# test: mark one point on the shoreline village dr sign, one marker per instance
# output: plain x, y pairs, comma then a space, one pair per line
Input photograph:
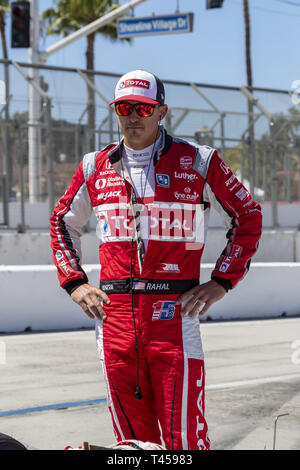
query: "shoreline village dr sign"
153, 25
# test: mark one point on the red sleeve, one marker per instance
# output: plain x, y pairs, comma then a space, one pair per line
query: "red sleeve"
242, 215
70, 214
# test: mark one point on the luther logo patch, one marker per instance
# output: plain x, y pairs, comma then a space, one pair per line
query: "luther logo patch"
163, 310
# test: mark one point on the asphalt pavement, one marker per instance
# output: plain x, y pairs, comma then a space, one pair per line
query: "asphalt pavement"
53, 395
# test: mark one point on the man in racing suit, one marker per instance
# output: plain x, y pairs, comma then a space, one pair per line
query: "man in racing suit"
152, 223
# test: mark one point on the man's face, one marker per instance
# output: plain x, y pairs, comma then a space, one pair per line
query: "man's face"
140, 132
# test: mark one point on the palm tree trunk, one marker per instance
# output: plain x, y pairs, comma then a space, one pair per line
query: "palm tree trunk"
3, 37
248, 44
90, 92
252, 165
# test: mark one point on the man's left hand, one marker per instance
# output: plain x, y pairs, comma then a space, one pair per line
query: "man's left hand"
207, 294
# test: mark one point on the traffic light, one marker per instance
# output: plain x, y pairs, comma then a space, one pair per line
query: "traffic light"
20, 24
213, 4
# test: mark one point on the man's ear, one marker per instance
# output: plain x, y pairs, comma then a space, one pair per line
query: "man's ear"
163, 112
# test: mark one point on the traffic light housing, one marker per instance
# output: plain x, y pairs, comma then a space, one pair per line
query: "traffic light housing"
20, 24
214, 4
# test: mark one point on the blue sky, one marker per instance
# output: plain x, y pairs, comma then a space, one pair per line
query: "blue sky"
214, 53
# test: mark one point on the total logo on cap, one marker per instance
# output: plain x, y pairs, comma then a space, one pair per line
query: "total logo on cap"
140, 85
134, 83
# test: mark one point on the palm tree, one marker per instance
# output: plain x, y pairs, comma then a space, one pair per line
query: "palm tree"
71, 15
4, 8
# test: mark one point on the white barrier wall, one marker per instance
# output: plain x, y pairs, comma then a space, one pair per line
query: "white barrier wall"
34, 248
32, 299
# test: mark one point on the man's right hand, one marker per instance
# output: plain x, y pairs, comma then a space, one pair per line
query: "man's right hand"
88, 298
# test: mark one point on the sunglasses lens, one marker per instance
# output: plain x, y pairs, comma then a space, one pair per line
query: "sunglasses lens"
142, 109
145, 110
123, 109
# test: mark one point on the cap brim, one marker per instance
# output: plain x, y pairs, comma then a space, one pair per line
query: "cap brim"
142, 99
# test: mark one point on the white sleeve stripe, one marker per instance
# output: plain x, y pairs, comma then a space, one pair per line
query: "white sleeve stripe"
210, 196
89, 164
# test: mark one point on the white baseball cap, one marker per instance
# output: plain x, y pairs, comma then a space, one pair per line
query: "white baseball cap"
140, 86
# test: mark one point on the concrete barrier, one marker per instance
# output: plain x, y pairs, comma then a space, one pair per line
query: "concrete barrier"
32, 300
34, 248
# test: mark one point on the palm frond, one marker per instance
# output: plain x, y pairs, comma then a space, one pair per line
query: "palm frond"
70, 15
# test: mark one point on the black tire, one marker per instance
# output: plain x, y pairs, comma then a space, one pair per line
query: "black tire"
9, 443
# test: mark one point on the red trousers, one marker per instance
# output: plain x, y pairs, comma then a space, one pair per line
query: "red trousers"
170, 369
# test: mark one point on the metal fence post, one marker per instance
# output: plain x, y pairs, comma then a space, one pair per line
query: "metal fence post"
288, 169
222, 118
298, 170
7, 165
243, 155
18, 126
264, 163
49, 155
274, 186
5, 206
252, 156
111, 124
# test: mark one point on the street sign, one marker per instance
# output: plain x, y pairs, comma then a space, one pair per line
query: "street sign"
154, 25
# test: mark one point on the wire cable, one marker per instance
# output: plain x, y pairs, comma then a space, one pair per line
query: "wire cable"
288, 2
267, 10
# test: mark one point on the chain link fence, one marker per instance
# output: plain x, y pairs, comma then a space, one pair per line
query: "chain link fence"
45, 134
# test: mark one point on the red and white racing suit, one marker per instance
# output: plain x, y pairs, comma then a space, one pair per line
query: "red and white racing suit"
144, 341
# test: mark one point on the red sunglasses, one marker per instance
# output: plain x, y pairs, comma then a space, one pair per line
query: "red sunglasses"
142, 109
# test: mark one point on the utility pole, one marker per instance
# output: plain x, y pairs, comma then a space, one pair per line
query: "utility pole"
7, 163
34, 132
